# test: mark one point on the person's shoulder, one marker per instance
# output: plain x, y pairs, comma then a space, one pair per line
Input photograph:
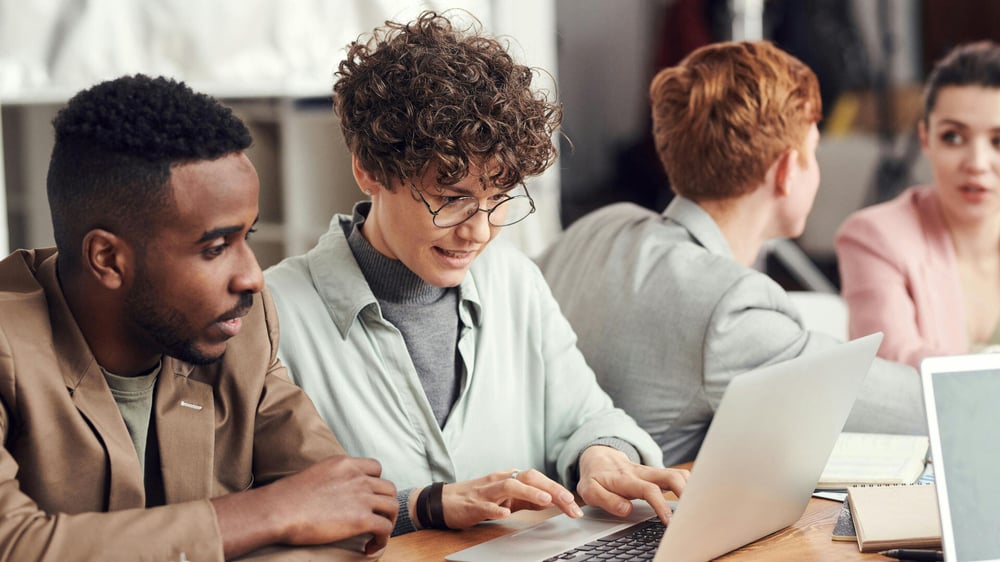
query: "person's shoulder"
24, 313
24, 293
18, 271
900, 215
611, 217
622, 209
702, 272
696, 247
677, 269
599, 231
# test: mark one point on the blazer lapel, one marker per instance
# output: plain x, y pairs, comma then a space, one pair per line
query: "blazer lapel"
92, 397
939, 267
185, 427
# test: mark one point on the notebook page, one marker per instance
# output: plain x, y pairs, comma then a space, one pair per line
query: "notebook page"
874, 458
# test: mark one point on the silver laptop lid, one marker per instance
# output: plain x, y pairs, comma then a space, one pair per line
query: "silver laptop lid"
962, 398
765, 450
761, 459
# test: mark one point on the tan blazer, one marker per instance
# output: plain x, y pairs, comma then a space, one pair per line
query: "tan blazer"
67, 453
899, 275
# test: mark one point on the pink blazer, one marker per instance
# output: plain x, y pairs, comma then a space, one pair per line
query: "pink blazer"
899, 276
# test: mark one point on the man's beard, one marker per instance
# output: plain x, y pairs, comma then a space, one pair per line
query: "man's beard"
166, 325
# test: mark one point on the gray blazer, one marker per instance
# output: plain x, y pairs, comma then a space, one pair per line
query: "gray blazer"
666, 318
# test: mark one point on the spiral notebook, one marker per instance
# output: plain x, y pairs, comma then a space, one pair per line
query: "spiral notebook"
895, 516
874, 458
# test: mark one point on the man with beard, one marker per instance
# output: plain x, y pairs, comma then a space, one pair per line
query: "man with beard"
143, 409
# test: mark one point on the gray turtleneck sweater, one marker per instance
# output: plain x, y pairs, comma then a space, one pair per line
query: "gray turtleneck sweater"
426, 316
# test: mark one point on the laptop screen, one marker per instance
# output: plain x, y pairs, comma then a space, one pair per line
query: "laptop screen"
963, 408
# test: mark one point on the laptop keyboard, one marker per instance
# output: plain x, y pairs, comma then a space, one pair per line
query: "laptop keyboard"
638, 542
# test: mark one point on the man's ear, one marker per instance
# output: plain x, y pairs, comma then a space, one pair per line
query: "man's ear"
366, 180
783, 172
106, 257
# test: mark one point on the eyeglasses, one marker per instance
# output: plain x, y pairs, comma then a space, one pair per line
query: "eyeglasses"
456, 210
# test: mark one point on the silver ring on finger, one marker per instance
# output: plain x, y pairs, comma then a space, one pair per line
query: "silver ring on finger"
514, 474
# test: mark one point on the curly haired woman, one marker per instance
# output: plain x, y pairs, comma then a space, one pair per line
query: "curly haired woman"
424, 342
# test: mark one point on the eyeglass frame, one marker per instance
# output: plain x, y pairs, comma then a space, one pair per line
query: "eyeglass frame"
489, 212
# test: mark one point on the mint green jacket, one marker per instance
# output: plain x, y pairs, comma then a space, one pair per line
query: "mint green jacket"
527, 400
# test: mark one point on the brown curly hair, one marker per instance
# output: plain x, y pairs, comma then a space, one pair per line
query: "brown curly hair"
727, 112
426, 95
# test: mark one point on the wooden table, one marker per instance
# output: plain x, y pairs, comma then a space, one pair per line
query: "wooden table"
808, 539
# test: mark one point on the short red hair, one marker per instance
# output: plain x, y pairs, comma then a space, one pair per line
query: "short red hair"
727, 112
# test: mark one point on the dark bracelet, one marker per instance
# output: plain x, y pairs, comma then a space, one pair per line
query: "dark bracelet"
423, 512
436, 506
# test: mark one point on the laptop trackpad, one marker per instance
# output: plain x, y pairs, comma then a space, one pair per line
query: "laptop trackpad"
553, 536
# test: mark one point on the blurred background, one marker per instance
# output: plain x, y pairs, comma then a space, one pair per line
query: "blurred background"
871, 57
273, 62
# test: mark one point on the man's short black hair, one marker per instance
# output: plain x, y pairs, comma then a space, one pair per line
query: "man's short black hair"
115, 144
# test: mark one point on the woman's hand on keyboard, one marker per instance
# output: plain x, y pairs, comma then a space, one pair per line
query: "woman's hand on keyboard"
497, 495
608, 479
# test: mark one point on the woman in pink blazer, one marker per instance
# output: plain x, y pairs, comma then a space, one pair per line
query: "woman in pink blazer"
925, 267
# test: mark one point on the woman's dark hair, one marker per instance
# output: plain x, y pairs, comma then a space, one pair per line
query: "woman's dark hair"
970, 64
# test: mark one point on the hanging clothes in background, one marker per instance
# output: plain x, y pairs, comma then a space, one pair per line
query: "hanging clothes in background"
824, 35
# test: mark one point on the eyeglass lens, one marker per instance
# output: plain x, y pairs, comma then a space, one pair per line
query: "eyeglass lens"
507, 212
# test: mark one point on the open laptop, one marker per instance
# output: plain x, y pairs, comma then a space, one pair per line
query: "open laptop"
756, 470
962, 395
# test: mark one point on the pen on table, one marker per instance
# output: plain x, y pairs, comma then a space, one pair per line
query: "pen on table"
911, 554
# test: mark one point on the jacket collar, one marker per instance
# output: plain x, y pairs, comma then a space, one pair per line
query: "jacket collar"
91, 394
75, 359
343, 288
186, 434
937, 237
699, 225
